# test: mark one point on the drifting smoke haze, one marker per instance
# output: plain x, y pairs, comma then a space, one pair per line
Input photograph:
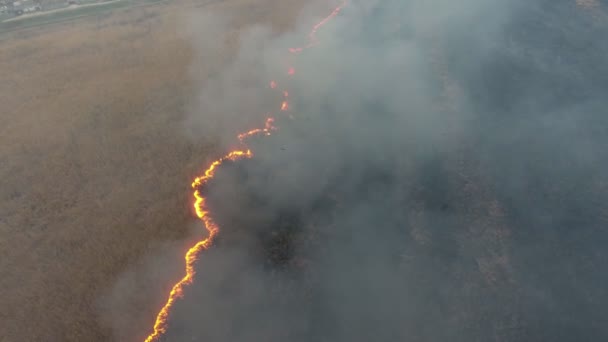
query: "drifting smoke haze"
442, 179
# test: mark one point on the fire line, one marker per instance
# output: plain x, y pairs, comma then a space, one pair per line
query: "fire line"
200, 205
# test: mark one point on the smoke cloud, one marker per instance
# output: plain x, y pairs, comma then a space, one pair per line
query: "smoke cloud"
442, 179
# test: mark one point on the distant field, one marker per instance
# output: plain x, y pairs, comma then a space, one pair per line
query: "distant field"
67, 14
94, 164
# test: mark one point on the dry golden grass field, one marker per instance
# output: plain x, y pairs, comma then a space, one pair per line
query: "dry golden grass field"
94, 170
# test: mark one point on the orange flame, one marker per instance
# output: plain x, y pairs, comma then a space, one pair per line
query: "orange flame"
268, 126
200, 206
312, 36
285, 106
160, 326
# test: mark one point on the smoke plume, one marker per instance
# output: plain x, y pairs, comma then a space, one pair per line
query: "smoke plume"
441, 178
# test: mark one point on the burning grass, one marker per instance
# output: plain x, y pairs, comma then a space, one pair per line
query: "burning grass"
95, 171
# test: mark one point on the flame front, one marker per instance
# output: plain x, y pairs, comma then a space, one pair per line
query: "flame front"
268, 127
312, 36
160, 326
200, 205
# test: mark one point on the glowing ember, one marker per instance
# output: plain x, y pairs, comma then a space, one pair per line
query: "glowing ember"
200, 205
312, 36
268, 127
285, 106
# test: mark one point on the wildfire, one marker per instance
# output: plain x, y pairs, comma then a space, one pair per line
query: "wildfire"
160, 326
268, 127
285, 106
200, 205
312, 36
